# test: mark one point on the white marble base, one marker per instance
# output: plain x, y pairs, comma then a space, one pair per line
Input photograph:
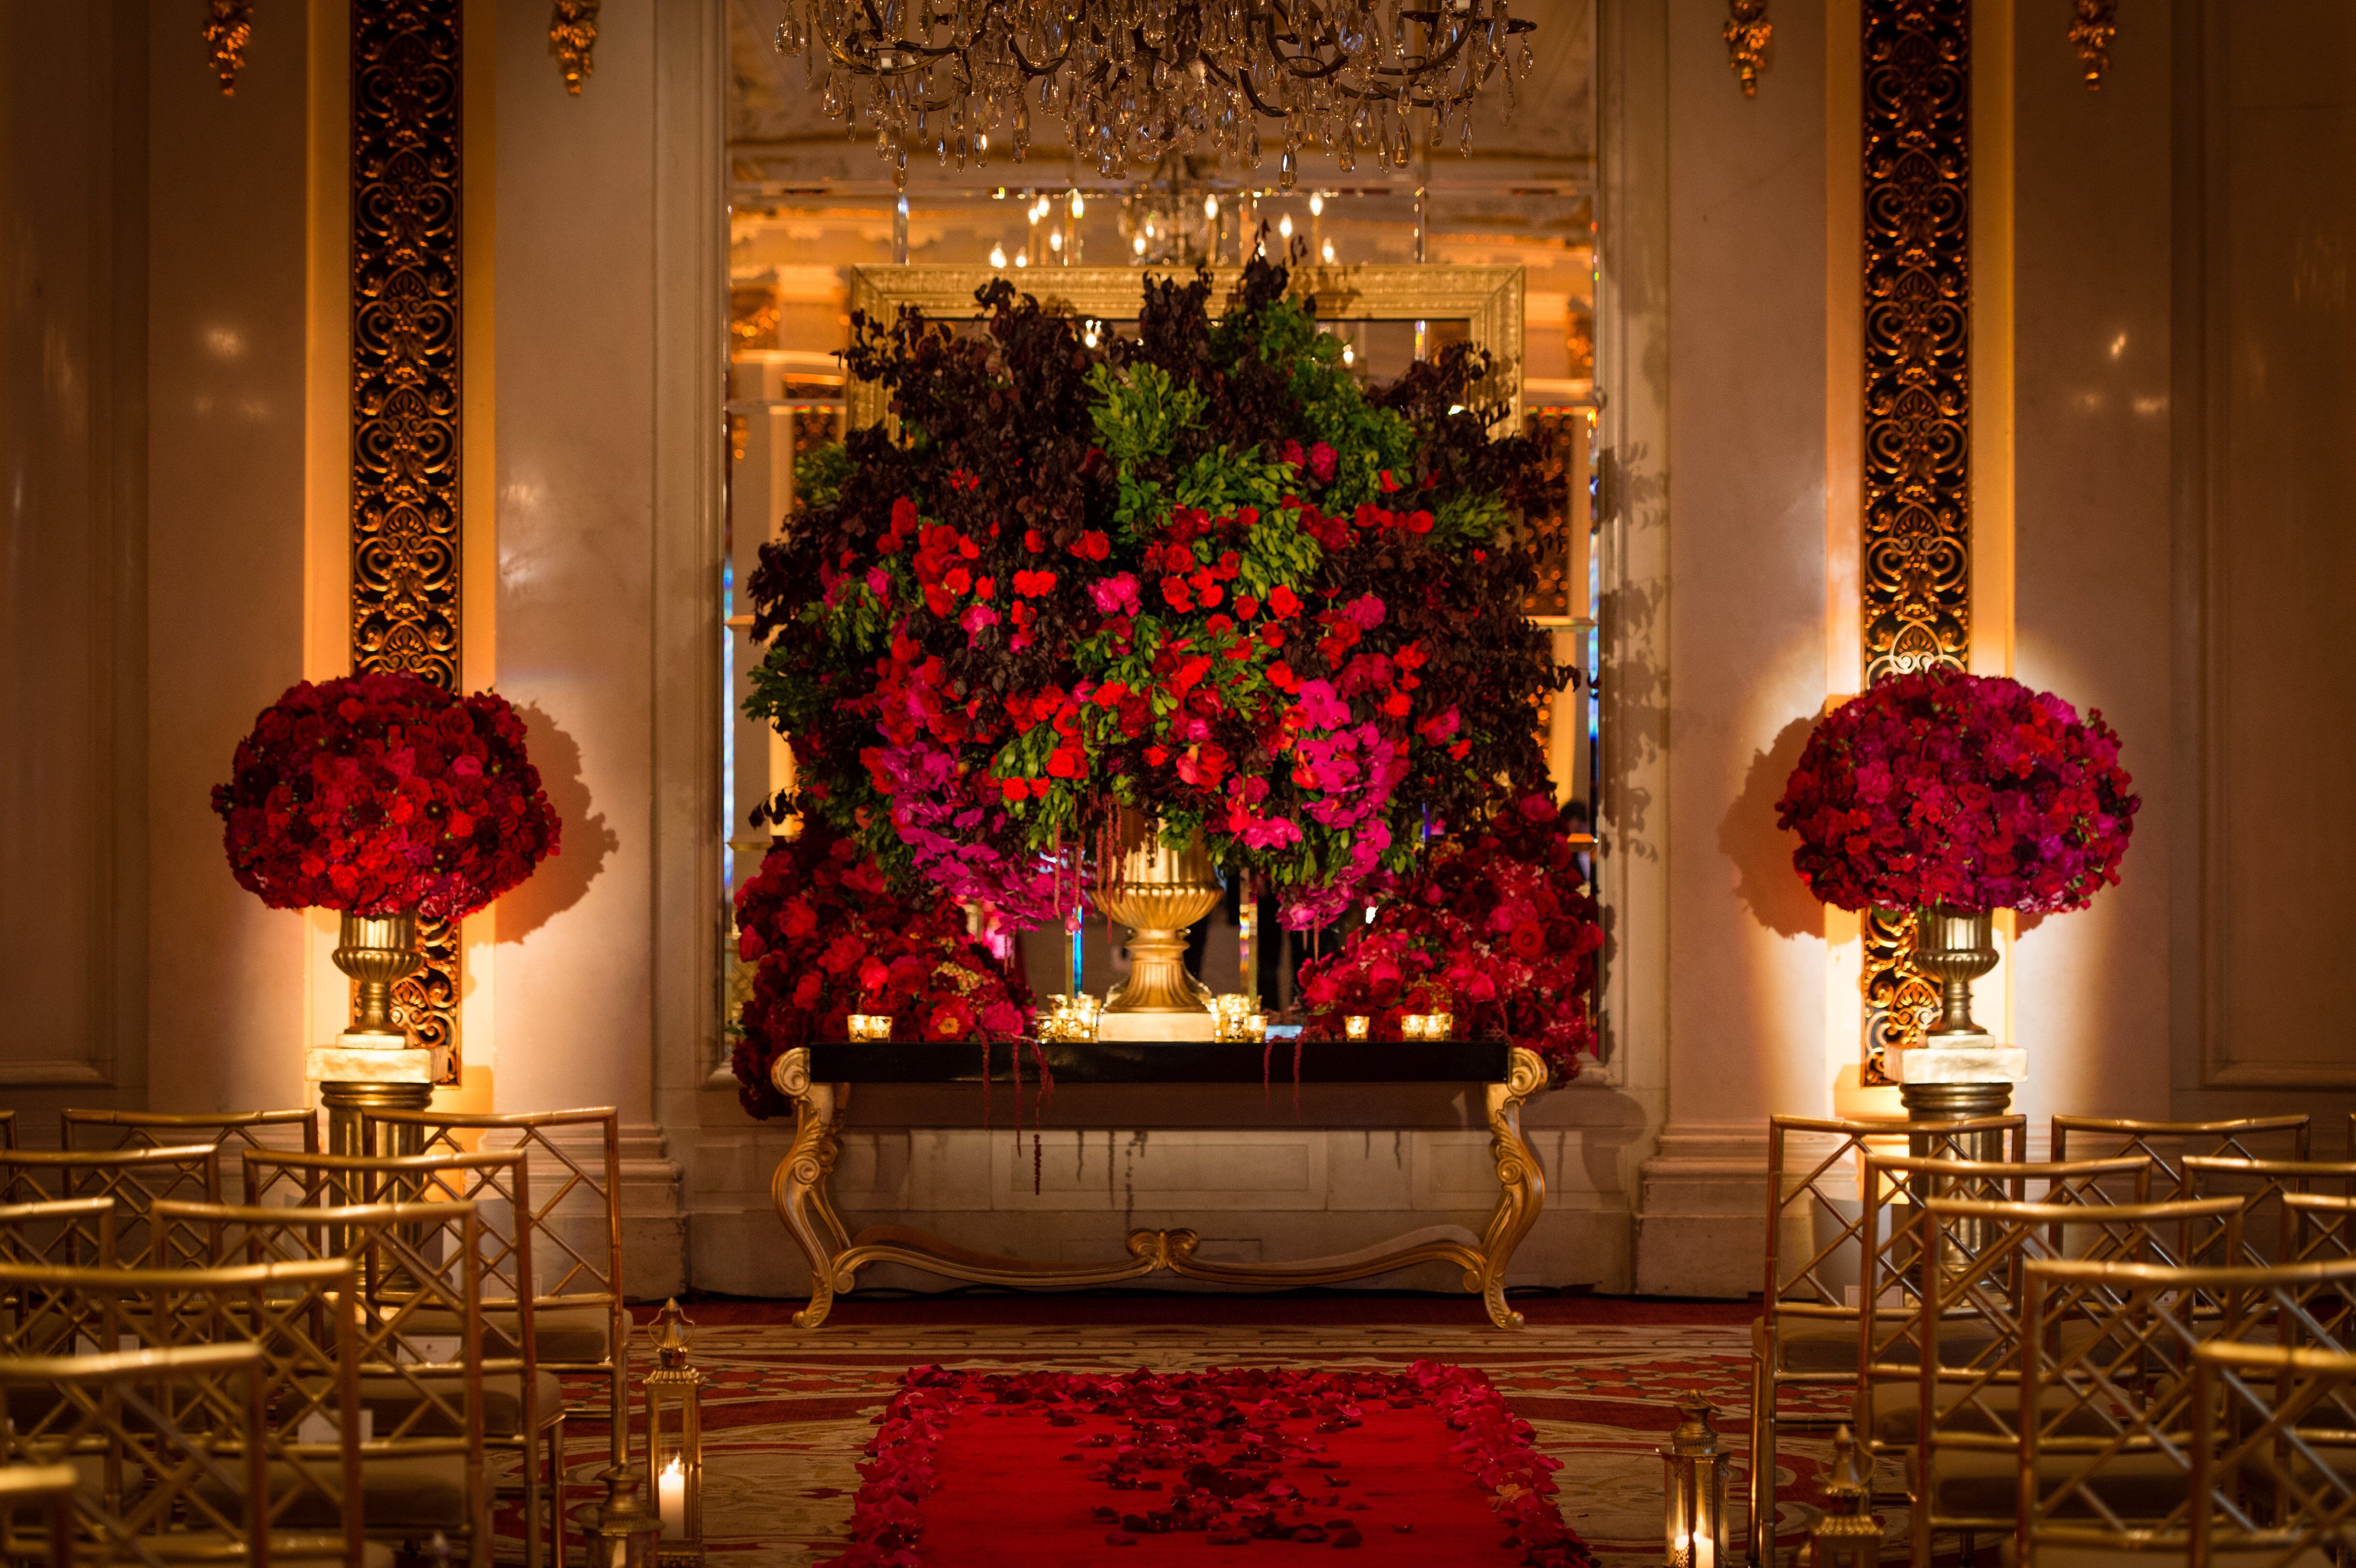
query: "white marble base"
365, 1059
1982, 1061
1154, 1026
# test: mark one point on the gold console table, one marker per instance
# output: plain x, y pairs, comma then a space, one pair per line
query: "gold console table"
813, 1076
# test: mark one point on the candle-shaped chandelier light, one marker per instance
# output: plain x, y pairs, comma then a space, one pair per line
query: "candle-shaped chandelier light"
1693, 1486
674, 1411
1136, 80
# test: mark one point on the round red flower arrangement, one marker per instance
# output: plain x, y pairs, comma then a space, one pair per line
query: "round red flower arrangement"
1965, 790
380, 794
829, 936
1494, 930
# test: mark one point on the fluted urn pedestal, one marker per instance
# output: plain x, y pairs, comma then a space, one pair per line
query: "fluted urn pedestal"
373, 1065
1158, 893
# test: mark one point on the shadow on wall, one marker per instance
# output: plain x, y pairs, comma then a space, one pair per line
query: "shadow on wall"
563, 877
1761, 852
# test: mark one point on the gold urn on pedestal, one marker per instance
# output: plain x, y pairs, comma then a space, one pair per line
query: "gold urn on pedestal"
373, 1065
1158, 891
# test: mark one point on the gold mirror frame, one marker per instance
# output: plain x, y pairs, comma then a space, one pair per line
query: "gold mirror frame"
1488, 298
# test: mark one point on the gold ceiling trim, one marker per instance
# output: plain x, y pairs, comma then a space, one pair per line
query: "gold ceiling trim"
229, 27
405, 554
1917, 449
1748, 31
2092, 25
572, 39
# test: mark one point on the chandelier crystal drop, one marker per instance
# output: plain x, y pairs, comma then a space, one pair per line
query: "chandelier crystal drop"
1137, 81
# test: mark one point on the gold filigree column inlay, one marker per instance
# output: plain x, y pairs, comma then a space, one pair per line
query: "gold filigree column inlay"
1917, 467
2093, 24
1746, 33
405, 403
572, 39
229, 25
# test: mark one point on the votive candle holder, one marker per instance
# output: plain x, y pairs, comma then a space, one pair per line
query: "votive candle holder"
1355, 1025
871, 1027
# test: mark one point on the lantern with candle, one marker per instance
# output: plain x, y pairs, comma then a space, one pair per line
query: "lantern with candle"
674, 1411
1693, 1489
622, 1529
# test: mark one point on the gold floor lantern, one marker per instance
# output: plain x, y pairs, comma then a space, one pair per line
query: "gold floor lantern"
1848, 1533
622, 1530
1693, 1490
674, 1395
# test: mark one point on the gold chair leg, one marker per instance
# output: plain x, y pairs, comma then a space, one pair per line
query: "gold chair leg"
555, 1444
1763, 1464
1521, 1184
800, 1188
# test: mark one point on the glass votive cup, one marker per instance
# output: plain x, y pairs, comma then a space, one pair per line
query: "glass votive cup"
870, 1026
1354, 1026
1256, 1027
1415, 1026
1229, 1012
1440, 1026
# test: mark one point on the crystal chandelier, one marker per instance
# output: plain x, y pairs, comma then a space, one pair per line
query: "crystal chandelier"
1137, 81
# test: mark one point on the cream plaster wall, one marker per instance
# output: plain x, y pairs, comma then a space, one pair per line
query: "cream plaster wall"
225, 549
2092, 584
1746, 672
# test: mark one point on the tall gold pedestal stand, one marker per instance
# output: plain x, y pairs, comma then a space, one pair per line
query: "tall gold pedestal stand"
373, 1065
1158, 893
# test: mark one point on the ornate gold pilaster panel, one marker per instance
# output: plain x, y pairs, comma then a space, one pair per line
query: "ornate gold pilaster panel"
405, 406
1917, 449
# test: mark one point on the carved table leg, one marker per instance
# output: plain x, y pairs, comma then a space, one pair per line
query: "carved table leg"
800, 1189
1521, 1184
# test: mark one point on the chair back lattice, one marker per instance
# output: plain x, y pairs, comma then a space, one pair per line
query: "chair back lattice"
133, 1179
2270, 1454
286, 1331
2269, 1227
2323, 1226
8, 1127
1898, 1327
456, 1203
2122, 1444
1816, 1209
231, 1133
72, 1231
47, 1491
572, 1229
2238, 1138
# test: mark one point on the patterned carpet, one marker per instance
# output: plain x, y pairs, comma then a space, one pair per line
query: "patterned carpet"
787, 1413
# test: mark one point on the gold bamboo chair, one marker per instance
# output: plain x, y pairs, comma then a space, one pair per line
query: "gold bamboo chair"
1964, 1424
8, 1127
2268, 1226
2277, 1477
1896, 1235
523, 1405
134, 1179
2128, 1451
2233, 1137
1806, 1334
230, 1132
580, 1322
2323, 1226
47, 1491
72, 1231
176, 1473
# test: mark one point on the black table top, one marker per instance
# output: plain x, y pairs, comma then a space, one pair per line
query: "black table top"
1168, 1061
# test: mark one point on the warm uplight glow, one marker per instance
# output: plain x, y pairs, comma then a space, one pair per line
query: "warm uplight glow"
1329, 252
1079, 206
1054, 240
1284, 226
1211, 208
998, 255
1137, 245
1349, 355
1316, 204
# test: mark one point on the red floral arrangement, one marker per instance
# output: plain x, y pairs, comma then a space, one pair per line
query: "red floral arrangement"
1228, 1456
1966, 790
378, 794
1493, 930
1202, 575
831, 938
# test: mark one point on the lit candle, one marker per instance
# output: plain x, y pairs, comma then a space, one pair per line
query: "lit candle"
671, 1500
1353, 1025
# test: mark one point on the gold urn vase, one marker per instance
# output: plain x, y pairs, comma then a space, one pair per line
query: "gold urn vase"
374, 1065
1158, 893
1953, 947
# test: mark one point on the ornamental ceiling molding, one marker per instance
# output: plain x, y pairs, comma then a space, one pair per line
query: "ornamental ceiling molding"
406, 316
229, 27
1748, 31
1916, 606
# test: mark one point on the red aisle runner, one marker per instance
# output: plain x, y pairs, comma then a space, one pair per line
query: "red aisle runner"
1233, 1465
